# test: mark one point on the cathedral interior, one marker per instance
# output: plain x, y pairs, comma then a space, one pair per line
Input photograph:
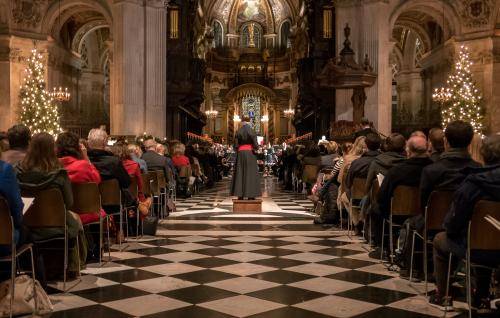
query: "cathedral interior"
180, 80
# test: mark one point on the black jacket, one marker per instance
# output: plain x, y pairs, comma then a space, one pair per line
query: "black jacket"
155, 161
445, 174
359, 168
481, 183
405, 173
33, 181
364, 132
246, 136
109, 166
381, 164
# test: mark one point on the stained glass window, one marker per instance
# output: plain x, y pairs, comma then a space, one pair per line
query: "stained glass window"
250, 105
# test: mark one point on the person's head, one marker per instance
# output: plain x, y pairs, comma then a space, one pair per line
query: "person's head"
359, 146
134, 150
120, 150
490, 150
395, 143
150, 144
418, 133
365, 123
19, 136
332, 147
346, 148
436, 140
475, 148
41, 154
458, 134
179, 149
161, 149
416, 147
322, 149
245, 119
68, 144
97, 139
373, 141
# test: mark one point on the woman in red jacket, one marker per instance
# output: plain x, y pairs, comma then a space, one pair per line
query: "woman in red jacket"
73, 156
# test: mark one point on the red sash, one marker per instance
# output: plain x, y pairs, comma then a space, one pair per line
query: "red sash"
245, 147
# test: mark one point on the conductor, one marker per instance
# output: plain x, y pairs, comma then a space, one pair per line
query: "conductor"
246, 179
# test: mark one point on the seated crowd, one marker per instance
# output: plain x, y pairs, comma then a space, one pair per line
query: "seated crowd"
357, 184
30, 165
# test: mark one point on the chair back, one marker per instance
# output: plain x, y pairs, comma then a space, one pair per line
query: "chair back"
86, 198
358, 188
482, 234
405, 201
162, 181
146, 184
310, 174
47, 210
153, 179
185, 172
133, 188
6, 224
437, 207
110, 193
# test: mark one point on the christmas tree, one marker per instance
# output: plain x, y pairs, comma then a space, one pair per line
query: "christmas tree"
461, 100
38, 110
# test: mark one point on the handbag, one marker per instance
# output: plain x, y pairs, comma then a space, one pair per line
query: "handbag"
25, 293
150, 225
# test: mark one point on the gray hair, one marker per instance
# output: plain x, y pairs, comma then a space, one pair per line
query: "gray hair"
97, 138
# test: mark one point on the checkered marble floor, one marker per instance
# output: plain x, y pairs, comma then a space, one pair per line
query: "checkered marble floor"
216, 203
258, 267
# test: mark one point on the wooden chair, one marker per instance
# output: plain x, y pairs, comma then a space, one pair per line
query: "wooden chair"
49, 211
87, 199
111, 196
481, 235
134, 192
434, 213
7, 239
374, 189
357, 193
405, 202
162, 186
155, 189
310, 173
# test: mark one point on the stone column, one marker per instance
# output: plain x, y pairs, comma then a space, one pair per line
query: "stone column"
155, 56
127, 110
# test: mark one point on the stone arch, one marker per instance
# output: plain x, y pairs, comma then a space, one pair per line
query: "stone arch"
441, 12
253, 89
58, 13
85, 30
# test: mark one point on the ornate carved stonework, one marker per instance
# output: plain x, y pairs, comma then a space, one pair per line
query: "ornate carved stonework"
476, 13
27, 12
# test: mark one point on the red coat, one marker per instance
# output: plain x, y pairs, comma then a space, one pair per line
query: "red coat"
180, 161
82, 171
134, 170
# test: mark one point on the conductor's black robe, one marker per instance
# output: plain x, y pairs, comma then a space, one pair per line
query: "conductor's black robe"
246, 179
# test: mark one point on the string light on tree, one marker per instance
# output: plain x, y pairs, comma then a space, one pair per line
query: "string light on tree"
38, 111
461, 100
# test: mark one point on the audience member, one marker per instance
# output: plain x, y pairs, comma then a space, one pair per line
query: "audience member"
135, 153
436, 143
475, 148
9, 190
41, 170
394, 147
328, 154
73, 156
358, 149
156, 161
180, 159
447, 172
19, 137
365, 129
481, 183
108, 165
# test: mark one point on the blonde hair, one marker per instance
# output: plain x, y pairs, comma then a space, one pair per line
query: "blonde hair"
359, 146
179, 149
475, 148
97, 138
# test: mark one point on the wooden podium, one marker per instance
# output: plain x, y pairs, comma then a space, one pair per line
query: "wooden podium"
247, 206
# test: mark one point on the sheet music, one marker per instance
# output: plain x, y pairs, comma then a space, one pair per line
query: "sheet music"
27, 203
493, 221
380, 178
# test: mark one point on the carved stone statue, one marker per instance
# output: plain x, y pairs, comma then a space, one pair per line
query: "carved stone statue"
251, 35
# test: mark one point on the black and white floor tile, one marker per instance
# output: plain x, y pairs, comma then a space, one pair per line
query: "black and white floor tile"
244, 267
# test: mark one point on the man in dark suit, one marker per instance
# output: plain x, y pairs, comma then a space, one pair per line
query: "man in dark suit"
246, 181
155, 161
367, 128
